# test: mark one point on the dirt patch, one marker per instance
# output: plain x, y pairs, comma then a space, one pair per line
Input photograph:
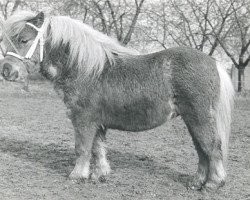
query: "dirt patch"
37, 154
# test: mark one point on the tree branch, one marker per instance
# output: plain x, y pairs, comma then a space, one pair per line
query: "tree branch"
133, 23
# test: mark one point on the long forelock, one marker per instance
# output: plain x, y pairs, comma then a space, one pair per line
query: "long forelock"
88, 48
16, 23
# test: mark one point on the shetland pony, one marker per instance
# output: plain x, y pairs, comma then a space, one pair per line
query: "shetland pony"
107, 86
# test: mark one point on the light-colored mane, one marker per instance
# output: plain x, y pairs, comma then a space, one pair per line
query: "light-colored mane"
89, 48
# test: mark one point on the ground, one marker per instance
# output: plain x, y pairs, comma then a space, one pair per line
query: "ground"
37, 155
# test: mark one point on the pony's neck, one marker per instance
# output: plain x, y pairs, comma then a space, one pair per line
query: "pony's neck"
56, 58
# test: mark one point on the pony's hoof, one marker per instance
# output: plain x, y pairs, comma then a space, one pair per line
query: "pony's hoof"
96, 177
212, 186
75, 177
100, 173
195, 184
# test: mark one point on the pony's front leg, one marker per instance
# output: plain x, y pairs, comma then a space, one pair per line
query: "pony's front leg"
102, 167
84, 135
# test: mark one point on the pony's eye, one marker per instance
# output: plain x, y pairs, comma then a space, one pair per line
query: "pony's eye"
24, 41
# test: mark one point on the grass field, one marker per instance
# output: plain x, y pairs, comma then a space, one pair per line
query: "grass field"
37, 154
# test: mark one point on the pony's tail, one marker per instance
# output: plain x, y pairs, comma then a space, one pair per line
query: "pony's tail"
224, 110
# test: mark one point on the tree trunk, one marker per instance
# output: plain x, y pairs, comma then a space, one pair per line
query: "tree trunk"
240, 79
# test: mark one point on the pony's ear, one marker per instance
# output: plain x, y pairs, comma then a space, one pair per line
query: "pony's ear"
38, 20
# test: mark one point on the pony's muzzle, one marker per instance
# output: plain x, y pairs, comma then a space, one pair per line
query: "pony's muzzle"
9, 73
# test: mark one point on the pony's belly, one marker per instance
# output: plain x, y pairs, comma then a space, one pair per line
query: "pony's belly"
136, 127
139, 118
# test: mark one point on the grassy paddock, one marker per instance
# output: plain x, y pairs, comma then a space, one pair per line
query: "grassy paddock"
37, 154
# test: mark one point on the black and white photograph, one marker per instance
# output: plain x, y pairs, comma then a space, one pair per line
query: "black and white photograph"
124, 100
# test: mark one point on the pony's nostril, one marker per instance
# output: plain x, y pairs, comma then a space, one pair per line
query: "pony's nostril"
6, 70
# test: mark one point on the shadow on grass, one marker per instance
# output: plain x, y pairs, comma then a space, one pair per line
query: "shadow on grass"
61, 159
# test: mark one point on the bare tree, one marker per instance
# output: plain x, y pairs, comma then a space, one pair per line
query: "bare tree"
8, 7
186, 23
157, 23
236, 44
117, 18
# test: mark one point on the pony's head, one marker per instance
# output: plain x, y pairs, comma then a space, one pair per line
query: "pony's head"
22, 36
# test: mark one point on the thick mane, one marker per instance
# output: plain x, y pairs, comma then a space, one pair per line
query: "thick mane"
88, 47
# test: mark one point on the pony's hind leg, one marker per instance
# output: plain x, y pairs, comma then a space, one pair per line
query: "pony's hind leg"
200, 177
84, 136
102, 167
210, 173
